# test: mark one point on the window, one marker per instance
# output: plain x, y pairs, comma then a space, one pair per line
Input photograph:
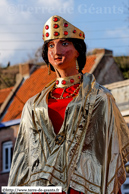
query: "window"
126, 186
7, 156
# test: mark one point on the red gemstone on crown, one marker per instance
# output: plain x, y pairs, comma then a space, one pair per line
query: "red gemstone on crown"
56, 33
46, 27
47, 34
63, 82
55, 26
72, 80
55, 19
80, 34
65, 25
65, 33
79, 77
74, 31
84, 35
57, 82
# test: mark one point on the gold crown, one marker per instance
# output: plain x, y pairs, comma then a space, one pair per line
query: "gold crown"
57, 27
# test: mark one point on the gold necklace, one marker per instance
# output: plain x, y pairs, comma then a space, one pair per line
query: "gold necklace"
68, 81
61, 97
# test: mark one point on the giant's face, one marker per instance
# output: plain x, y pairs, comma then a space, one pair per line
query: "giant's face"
62, 54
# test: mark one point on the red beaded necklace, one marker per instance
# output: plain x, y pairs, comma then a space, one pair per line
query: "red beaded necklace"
65, 83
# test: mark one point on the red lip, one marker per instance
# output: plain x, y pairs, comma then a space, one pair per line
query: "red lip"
58, 58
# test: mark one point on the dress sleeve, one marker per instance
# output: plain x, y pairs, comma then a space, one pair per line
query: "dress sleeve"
117, 149
20, 163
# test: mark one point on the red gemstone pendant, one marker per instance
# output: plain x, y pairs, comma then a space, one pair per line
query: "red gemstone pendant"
46, 27
55, 26
65, 25
57, 82
63, 82
47, 34
56, 33
65, 33
72, 80
55, 19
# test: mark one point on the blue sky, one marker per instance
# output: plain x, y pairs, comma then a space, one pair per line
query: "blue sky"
105, 23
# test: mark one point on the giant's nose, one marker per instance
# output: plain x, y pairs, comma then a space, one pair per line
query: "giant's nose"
57, 49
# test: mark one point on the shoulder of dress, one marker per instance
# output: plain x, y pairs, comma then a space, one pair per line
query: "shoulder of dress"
31, 100
89, 75
28, 107
104, 94
102, 91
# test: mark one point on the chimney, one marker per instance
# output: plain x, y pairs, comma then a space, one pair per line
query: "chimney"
25, 69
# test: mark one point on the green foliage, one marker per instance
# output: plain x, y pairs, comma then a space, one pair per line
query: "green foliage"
123, 63
8, 76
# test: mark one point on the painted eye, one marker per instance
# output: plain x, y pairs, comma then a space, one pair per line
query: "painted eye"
65, 43
50, 45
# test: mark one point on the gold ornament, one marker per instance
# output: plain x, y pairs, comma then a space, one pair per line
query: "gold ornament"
68, 81
57, 27
59, 139
127, 169
77, 66
69, 96
49, 69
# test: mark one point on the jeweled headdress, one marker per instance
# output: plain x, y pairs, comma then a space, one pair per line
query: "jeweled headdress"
57, 27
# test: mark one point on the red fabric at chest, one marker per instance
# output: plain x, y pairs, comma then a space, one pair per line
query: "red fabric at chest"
56, 108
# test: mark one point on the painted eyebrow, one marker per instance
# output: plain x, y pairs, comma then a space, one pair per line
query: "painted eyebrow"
62, 40
50, 43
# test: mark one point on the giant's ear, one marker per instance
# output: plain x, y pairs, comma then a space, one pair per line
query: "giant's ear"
77, 54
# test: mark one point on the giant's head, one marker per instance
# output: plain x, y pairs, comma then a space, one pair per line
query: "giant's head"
58, 28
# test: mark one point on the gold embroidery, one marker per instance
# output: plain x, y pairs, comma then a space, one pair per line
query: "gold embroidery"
87, 180
116, 172
42, 130
125, 146
84, 187
43, 178
39, 136
60, 138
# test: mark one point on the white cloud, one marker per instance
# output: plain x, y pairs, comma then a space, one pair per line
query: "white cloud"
56, 3
22, 23
122, 33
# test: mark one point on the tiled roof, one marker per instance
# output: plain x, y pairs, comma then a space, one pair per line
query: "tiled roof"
34, 85
4, 93
90, 60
